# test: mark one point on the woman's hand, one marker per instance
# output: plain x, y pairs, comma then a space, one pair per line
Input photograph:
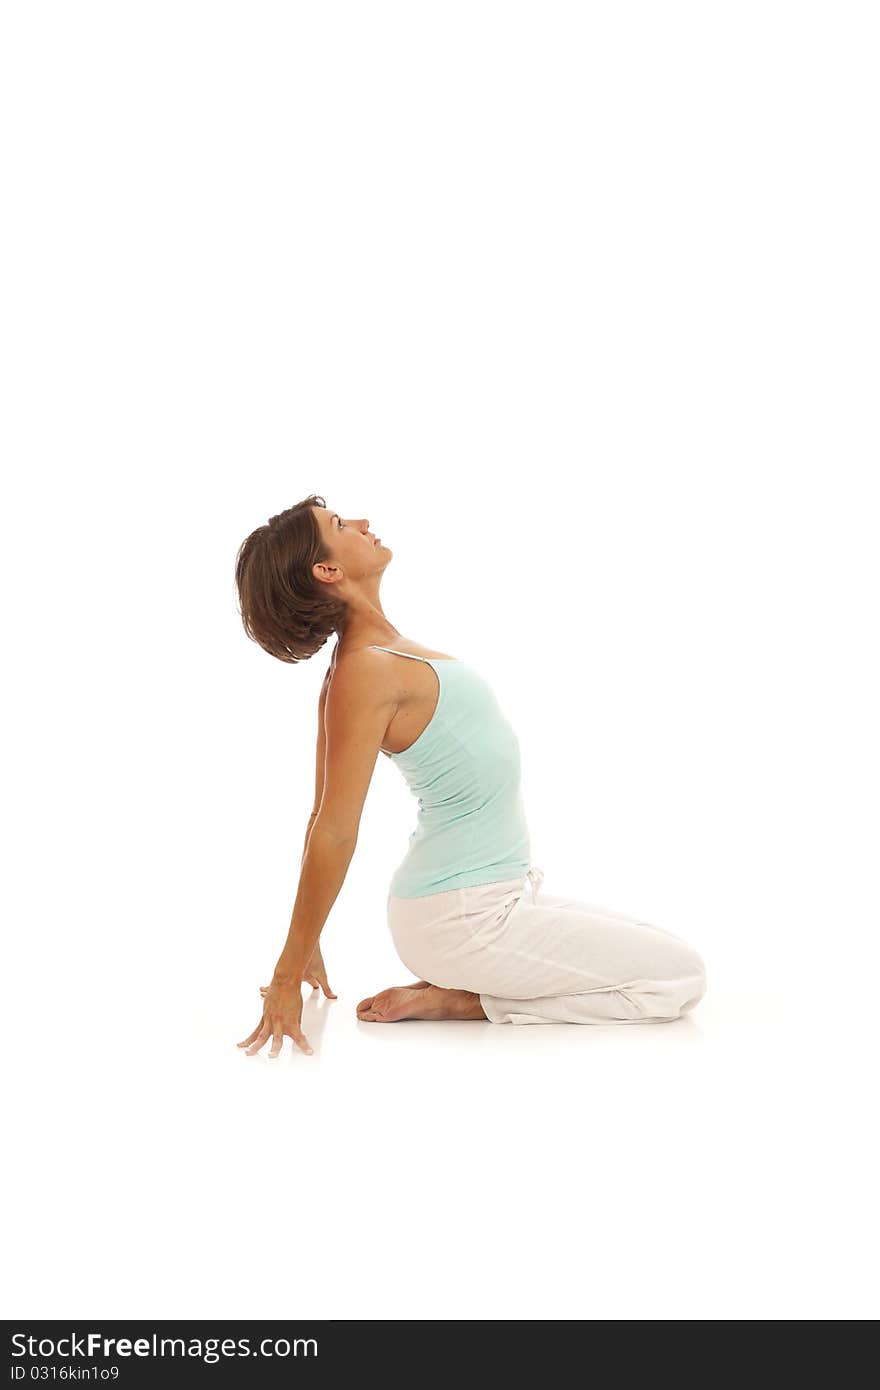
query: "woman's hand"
282, 1013
314, 974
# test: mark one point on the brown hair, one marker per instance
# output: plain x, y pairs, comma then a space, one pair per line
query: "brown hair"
283, 607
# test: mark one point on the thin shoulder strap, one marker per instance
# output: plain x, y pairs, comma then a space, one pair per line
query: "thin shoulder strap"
412, 655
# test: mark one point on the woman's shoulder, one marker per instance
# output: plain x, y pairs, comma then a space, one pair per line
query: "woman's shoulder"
398, 648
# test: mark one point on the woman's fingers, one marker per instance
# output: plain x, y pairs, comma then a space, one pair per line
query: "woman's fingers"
260, 1040
326, 986
276, 1031
249, 1040
301, 1040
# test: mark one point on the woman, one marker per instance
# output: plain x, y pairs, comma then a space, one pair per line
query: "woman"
464, 908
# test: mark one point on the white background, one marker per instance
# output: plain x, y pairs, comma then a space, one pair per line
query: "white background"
578, 305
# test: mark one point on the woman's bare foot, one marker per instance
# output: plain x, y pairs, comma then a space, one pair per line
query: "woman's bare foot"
419, 1001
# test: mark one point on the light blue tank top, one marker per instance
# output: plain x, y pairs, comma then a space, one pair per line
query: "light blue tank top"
464, 768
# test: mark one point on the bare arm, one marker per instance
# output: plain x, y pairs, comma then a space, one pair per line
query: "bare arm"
320, 758
312, 818
357, 711
325, 864
316, 971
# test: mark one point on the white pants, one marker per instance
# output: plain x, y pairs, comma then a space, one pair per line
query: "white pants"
535, 957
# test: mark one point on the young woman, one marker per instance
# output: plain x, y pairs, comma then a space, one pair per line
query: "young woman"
464, 907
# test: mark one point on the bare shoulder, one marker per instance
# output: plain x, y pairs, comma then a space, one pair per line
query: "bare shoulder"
412, 649
357, 680
359, 705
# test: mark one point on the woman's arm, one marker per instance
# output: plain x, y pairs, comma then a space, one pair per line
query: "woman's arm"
357, 713
357, 710
325, 864
312, 819
320, 758
315, 971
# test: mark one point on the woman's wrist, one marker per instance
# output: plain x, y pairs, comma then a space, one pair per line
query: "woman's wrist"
293, 961
286, 976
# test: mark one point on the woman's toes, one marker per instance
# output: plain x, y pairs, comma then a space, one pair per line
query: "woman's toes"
379, 1008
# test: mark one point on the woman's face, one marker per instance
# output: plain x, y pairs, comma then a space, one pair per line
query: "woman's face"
351, 543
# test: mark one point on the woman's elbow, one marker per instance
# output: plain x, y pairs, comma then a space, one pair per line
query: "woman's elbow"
335, 831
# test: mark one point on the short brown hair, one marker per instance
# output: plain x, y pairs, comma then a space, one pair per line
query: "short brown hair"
283, 606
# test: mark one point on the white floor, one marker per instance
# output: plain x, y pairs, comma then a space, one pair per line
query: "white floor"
721, 1166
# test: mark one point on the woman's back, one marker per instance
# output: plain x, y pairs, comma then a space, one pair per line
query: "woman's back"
464, 768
